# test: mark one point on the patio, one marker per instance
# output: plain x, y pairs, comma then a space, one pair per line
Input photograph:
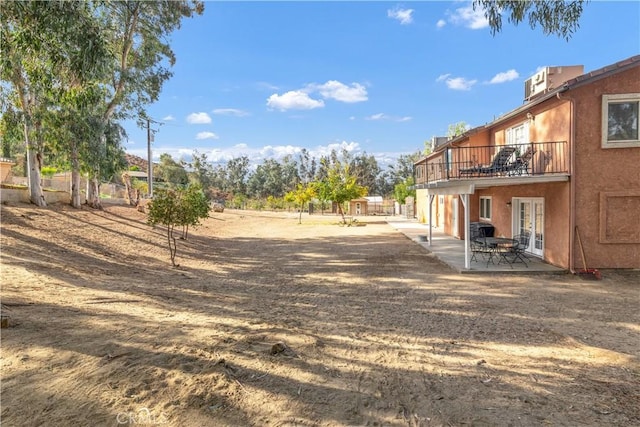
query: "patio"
451, 251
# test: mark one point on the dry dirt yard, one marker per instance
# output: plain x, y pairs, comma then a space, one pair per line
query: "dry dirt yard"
270, 323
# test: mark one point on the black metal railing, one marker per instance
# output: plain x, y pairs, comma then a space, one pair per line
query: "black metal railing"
532, 159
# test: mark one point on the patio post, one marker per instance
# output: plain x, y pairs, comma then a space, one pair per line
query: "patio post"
465, 203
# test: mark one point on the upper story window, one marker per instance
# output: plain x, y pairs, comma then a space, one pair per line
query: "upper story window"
518, 135
620, 120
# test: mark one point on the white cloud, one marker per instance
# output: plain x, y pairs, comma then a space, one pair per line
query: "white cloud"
469, 18
293, 100
382, 116
456, 83
206, 135
460, 83
334, 89
230, 112
441, 23
257, 155
401, 15
168, 118
379, 116
506, 76
198, 118
325, 150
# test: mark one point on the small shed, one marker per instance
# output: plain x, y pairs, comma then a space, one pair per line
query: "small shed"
359, 206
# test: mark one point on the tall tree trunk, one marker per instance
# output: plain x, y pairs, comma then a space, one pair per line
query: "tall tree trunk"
93, 193
76, 201
34, 155
132, 196
34, 163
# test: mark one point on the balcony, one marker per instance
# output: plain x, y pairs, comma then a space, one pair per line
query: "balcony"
536, 159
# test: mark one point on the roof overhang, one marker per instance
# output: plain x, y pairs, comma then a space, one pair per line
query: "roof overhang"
468, 186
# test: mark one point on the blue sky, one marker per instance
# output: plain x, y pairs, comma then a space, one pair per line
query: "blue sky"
266, 79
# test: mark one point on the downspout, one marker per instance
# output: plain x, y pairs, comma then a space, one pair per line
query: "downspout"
572, 181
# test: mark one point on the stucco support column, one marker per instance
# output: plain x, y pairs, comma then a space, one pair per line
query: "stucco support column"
431, 197
465, 203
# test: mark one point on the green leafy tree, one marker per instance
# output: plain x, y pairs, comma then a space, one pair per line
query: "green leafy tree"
194, 207
557, 17
236, 172
457, 129
177, 208
342, 186
301, 196
404, 190
164, 209
171, 172
139, 34
49, 48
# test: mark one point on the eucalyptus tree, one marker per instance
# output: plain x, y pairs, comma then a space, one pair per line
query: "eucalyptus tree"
49, 48
290, 175
306, 166
201, 172
138, 33
236, 171
11, 134
557, 17
266, 180
366, 170
171, 172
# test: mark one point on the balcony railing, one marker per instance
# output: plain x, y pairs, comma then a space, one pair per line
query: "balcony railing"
463, 163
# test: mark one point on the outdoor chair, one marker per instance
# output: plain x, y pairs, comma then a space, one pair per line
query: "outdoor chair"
517, 251
521, 164
498, 164
479, 246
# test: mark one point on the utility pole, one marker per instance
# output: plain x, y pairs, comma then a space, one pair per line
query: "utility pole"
149, 161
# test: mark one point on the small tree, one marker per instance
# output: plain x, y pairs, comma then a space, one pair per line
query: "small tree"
403, 190
165, 209
194, 206
173, 208
342, 186
302, 195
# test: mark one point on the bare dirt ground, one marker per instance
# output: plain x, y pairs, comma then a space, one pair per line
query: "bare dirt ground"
271, 323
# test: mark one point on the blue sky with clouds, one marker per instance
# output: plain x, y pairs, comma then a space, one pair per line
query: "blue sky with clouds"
266, 79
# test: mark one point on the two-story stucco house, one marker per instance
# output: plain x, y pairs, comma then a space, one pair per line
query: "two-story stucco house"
565, 162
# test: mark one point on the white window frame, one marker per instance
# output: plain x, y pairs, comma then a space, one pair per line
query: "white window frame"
485, 200
618, 98
518, 135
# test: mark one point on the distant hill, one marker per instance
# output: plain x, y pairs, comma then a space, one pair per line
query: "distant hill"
136, 161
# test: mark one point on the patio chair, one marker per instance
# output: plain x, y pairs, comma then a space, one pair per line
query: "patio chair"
498, 164
521, 164
517, 251
479, 246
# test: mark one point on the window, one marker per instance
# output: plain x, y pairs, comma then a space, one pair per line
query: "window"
518, 135
620, 120
485, 208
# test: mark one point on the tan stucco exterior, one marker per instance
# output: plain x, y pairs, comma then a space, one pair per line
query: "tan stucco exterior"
592, 188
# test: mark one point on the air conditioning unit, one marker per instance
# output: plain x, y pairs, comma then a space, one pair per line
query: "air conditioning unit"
550, 78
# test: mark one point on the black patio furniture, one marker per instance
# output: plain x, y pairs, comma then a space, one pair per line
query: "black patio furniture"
521, 165
498, 164
517, 251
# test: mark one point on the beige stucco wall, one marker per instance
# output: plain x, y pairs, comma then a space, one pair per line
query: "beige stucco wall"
23, 196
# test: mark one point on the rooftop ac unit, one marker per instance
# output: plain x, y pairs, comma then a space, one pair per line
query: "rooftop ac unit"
549, 78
